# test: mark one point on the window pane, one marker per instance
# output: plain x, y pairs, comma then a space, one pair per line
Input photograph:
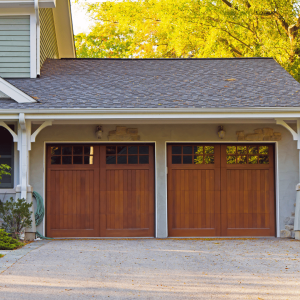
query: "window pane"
55, 150
242, 149
122, 150
144, 149
67, 160
88, 160
198, 160
5, 148
209, 159
6, 142
111, 150
253, 160
263, 149
6, 178
111, 160
209, 149
176, 149
187, 159
242, 159
252, 150
231, 160
77, 150
77, 160
132, 159
144, 159
88, 150
55, 160
230, 150
198, 149
122, 159
176, 159
67, 150
187, 150
133, 150
264, 159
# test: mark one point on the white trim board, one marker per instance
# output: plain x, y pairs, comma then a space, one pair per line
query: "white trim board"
14, 93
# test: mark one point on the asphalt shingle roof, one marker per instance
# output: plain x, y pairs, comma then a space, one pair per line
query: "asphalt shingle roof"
158, 83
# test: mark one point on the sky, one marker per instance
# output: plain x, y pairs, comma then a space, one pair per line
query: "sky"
81, 21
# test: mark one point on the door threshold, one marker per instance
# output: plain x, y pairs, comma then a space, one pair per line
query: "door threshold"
101, 238
221, 237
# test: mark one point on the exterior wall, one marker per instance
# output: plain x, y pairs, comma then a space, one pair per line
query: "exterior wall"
15, 46
288, 160
48, 46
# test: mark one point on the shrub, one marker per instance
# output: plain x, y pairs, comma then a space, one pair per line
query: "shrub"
7, 242
16, 215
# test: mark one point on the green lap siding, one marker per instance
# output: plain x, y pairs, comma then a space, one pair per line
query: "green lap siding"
15, 47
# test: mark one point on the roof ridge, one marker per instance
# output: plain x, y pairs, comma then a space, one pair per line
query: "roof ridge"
216, 58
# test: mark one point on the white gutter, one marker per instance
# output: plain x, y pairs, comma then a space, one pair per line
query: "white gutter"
152, 115
156, 111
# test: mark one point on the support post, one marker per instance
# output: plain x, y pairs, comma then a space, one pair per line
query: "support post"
297, 214
24, 190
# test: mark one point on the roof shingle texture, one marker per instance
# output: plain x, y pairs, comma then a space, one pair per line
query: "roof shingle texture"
165, 83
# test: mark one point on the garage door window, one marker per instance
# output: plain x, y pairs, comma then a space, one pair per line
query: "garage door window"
127, 155
247, 154
190, 154
68, 155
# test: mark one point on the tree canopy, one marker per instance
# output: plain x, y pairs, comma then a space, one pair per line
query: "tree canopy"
195, 29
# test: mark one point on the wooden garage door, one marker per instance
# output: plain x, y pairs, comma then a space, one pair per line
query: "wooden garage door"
100, 190
221, 190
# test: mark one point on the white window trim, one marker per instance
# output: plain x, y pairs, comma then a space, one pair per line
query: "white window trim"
14, 93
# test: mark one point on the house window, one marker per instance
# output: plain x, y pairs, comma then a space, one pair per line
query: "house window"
7, 156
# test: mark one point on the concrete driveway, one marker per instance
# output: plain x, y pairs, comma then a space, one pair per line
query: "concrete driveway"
155, 269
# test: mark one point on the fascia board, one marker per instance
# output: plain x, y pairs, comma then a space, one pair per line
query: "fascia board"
27, 3
64, 29
14, 93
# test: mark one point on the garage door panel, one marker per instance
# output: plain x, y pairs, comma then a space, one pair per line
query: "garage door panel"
193, 199
127, 199
128, 190
72, 187
248, 204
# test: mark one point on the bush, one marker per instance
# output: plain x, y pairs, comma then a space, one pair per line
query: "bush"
7, 242
16, 215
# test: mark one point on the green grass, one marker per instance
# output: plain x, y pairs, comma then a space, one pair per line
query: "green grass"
1, 255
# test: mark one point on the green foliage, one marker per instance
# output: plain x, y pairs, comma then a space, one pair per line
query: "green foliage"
195, 28
4, 170
16, 215
7, 242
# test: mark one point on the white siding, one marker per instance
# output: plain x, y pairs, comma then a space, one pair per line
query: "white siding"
15, 47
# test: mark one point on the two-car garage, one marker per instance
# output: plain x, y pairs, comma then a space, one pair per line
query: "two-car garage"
108, 190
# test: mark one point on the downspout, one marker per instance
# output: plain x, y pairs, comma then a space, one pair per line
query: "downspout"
38, 38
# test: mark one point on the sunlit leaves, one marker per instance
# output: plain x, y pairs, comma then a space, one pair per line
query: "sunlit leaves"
195, 28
